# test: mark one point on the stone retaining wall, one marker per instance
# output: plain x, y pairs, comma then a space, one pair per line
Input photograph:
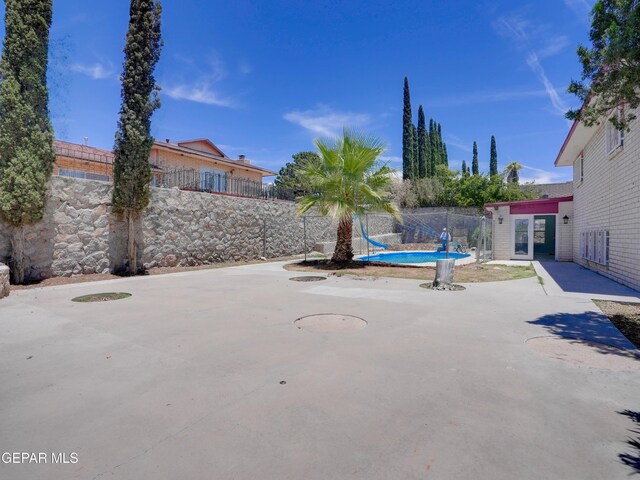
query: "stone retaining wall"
4, 280
79, 234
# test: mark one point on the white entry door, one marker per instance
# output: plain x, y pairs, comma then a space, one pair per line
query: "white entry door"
522, 237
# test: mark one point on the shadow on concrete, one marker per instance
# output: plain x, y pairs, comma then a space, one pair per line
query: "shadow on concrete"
631, 458
573, 278
588, 328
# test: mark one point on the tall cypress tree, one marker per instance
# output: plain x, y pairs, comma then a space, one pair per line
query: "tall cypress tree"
465, 172
26, 135
416, 167
475, 170
423, 145
493, 161
441, 152
407, 134
433, 141
131, 168
445, 155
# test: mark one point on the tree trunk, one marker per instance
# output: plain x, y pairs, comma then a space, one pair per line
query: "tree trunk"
444, 274
132, 253
344, 251
17, 266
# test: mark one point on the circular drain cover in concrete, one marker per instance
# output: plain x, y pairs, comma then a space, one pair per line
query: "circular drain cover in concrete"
330, 322
308, 278
583, 353
101, 297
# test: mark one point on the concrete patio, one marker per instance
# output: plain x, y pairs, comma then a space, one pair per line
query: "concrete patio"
185, 380
571, 279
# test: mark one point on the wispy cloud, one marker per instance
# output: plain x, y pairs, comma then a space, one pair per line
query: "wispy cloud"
582, 8
553, 46
485, 97
199, 93
514, 26
540, 176
325, 121
458, 143
537, 42
558, 104
203, 86
97, 71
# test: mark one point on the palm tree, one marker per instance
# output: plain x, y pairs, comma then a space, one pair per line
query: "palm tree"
511, 172
349, 181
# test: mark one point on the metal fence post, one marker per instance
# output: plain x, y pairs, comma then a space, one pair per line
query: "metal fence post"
446, 238
484, 238
304, 227
366, 220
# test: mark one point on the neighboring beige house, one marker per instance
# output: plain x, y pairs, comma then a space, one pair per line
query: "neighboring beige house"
203, 156
189, 161
606, 193
598, 226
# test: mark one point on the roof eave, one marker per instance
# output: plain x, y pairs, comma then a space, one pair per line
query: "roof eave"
578, 138
215, 158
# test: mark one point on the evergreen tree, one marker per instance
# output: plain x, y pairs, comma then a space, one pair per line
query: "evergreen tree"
407, 135
475, 169
493, 161
433, 140
440, 149
415, 154
131, 168
26, 135
464, 168
442, 152
445, 155
290, 176
423, 145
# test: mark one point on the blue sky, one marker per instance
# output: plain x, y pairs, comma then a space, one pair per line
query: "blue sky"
265, 77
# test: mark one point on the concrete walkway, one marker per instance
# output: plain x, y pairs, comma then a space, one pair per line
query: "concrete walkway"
204, 375
571, 279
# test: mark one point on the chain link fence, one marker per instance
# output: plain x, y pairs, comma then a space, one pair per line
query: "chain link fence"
415, 231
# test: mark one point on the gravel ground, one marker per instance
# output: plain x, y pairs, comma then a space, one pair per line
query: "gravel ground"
625, 316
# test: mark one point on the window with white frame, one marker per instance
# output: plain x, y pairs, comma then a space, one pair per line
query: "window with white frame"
614, 137
594, 246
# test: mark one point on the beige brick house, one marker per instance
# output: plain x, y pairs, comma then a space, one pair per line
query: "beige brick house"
200, 156
599, 225
606, 198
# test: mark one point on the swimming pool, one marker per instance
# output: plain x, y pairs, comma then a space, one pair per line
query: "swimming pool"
414, 257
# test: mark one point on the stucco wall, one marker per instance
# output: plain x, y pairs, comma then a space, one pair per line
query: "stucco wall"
609, 198
502, 234
80, 235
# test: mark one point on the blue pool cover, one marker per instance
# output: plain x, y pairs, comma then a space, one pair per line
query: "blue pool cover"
411, 257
